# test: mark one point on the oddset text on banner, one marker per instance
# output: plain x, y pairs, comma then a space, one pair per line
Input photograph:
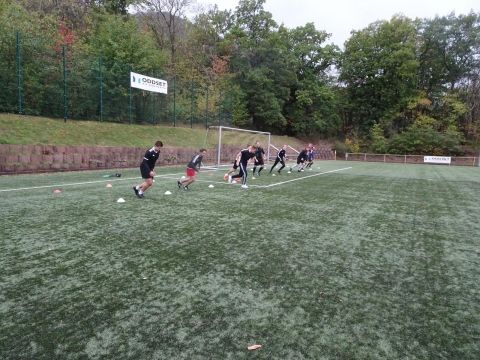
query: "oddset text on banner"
148, 83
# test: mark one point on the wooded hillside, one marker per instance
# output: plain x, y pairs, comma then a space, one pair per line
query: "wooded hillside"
400, 85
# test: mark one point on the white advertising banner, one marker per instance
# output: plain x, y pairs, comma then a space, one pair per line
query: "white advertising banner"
437, 159
148, 83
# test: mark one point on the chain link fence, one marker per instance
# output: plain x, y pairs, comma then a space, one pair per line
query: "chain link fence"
57, 81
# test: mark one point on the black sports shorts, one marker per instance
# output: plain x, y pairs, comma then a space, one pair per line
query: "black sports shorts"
145, 171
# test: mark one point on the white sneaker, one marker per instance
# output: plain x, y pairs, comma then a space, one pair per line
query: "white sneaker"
229, 179
244, 187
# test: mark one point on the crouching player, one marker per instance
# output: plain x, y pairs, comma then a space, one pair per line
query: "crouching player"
259, 154
242, 160
310, 157
301, 158
193, 167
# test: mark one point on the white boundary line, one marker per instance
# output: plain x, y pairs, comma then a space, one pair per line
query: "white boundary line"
170, 177
305, 177
78, 183
217, 182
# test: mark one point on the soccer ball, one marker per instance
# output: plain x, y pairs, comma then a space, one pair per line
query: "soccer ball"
225, 177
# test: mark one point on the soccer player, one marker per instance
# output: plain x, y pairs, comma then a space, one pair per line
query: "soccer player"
193, 167
259, 154
146, 169
233, 169
281, 156
242, 160
310, 157
301, 158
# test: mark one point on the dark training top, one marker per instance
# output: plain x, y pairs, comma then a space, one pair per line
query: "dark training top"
302, 155
281, 154
195, 162
246, 155
259, 153
150, 158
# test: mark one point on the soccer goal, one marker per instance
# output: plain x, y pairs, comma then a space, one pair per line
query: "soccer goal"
228, 141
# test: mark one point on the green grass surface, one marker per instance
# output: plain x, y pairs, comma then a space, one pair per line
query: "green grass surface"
379, 261
30, 130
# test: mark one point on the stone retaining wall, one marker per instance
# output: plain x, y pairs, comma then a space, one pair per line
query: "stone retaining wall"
18, 159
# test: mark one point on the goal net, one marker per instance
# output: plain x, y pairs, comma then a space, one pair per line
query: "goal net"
225, 142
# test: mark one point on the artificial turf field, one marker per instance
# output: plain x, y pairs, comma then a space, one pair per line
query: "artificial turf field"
348, 261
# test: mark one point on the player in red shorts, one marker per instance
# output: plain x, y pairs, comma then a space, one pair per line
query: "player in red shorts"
192, 168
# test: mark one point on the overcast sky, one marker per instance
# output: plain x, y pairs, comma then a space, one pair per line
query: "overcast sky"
339, 17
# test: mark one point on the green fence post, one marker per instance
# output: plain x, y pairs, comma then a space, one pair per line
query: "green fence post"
130, 95
191, 104
154, 100
174, 104
64, 85
206, 110
100, 78
19, 73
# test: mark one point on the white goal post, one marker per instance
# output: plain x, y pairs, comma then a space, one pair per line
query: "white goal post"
242, 138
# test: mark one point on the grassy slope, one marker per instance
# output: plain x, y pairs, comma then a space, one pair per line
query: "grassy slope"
15, 129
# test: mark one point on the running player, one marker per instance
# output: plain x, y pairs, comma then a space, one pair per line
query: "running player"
301, 158
310, 157
281, 156
259, 154
233, 169
193, 167
242, 160
146, 169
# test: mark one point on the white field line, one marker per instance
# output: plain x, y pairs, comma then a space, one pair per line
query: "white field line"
216, 182
79, 183
271, 185
173, 176
305, 177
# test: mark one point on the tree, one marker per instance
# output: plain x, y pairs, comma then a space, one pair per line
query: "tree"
311, 107
166, 19
379, 69
123, 48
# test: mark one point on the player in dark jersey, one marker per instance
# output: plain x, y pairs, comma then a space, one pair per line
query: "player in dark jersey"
242, 160
310, 157
281, 156
259, 154
146, 169
301, 158
193, 167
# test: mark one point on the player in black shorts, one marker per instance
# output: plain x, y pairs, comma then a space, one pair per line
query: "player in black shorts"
281, 156
233, 169
242, 161
259, 154
301, 158
146, 169
310, 157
